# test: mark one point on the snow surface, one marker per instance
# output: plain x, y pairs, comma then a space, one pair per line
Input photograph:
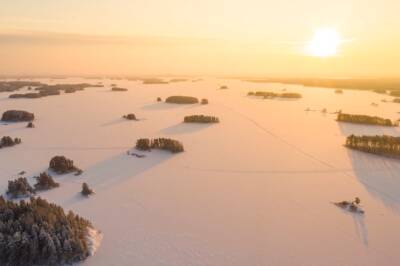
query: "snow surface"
255, 189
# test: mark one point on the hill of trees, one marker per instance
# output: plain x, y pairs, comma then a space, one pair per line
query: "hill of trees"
182, 99
200, 119
382, 145
171, 145
365, 119
40, 233
63, 165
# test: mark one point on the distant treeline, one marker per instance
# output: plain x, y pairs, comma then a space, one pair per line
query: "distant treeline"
270, 95
365, 119
383, 145
171, 145
50, 90
356, 84
200, 119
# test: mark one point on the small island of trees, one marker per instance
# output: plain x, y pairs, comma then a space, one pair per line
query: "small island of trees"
271, 95
200, 119
45, 182
7, 141
365, 119
86, 191
381, 145
63, 165
119, 89
182, 99
130, 116
171, 145
36, 232
19, 188
17, 116
395, 93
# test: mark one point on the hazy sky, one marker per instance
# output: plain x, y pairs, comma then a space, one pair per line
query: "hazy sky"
208, 37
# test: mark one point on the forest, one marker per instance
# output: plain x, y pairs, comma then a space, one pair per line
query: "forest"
36, 232
182, 99
383, 145
201, 119
171, 145
365, 119
271, 95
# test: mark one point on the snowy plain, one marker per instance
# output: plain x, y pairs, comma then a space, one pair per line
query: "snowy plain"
255, 189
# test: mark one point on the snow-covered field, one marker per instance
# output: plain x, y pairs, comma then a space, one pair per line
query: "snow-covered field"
255, 189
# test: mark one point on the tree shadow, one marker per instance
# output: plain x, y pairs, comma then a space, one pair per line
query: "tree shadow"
167, 106
118, 121
160, 106
121, 168
379, 175
4, 129
359, 224
184, 128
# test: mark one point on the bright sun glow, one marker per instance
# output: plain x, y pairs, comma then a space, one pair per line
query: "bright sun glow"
324, 43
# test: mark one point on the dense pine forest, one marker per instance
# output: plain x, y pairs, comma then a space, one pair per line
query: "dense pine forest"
201, 119
182, 99
271, 95
383, 145
365, 119
40, 233
171, 145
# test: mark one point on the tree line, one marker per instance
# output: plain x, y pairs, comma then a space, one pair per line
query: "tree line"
201, 119
384, 145
171, 145
365, 119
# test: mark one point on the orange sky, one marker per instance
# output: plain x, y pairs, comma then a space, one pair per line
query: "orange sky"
209, 37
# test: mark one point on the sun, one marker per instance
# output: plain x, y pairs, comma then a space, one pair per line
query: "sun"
325, 43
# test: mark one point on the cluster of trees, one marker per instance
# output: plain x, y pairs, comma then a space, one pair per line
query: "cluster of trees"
151, 81
338, 91
200, 119
380, 91
351, 206
40, 233
383, 145
130, 116
396, 100
171, 145
45, 182
395, 93
365, 119
7, 141
49, 90
63, 165
119, 89
182, 99
86, 191
204, 101
10, 86
270, 95
20, 187
17, 116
